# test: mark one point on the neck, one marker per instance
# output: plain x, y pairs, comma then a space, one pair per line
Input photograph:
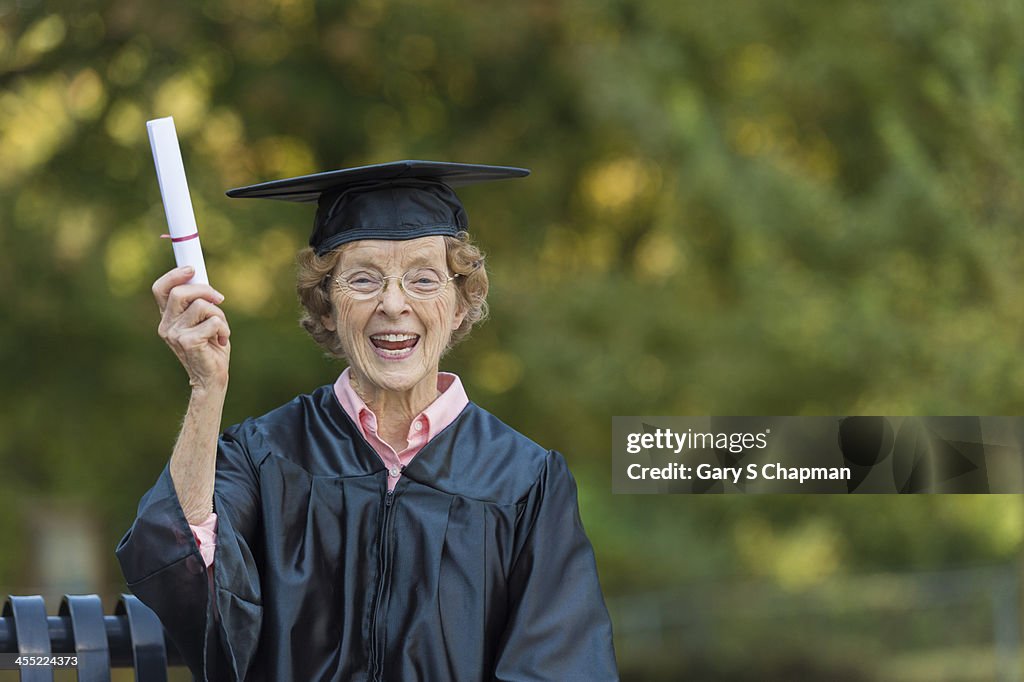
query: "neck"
395, 410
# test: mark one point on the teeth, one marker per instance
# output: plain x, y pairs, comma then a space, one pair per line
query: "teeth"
396, 353
394, 338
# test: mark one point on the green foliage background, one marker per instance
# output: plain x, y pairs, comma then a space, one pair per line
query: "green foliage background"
751, 207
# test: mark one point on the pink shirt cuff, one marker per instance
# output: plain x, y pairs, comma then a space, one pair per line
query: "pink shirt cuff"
206, 537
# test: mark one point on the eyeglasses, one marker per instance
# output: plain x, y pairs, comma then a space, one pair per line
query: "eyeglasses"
419, 283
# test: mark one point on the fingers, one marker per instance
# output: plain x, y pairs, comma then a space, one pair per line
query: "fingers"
212, 330
183, 295
198, 311
172, 278
173, 328
172, 292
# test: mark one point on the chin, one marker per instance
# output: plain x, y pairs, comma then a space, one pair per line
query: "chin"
397, 382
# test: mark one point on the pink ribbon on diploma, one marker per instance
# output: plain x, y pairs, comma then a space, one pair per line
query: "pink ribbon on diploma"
194, 235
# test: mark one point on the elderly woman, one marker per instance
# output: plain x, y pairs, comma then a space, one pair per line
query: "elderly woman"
382, 527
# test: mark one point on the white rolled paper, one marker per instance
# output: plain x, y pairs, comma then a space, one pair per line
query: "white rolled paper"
170, 173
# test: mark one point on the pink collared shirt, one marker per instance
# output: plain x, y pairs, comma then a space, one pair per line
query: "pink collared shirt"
427, 424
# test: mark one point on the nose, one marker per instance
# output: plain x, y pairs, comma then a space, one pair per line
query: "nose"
393, 301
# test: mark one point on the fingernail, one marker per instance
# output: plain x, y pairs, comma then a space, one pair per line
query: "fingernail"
189, 269
220, 296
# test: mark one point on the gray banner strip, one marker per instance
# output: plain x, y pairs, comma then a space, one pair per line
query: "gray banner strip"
833, 455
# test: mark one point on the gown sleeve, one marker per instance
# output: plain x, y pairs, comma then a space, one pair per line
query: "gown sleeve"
558, 626
215, 625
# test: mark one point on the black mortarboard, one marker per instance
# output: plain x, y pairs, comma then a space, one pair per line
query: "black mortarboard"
398, 200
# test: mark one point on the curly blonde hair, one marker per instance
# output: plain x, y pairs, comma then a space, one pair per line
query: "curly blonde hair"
313, 285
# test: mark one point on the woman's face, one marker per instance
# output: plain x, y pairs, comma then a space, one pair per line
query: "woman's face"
392, 341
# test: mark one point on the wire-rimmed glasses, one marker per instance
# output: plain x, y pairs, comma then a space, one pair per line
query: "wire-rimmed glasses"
363, 284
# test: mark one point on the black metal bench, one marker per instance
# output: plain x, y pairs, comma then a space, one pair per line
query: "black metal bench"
131, 638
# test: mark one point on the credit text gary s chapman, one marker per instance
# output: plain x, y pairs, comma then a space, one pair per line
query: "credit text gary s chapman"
677, 441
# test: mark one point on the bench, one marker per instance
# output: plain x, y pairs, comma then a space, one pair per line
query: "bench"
83, 638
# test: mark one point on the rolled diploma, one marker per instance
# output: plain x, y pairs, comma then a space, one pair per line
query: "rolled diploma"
170, 173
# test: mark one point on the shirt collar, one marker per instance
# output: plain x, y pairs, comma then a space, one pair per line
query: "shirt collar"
438, 414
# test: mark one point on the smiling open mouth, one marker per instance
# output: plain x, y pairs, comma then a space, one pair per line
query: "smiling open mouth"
395, 344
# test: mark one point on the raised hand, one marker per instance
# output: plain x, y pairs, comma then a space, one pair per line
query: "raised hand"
194, 327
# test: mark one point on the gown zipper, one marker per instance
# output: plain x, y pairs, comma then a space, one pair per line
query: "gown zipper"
384, 582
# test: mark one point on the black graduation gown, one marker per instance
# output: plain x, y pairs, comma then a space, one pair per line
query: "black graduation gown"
476, 567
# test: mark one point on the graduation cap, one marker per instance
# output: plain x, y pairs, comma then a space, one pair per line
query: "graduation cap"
396, 201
